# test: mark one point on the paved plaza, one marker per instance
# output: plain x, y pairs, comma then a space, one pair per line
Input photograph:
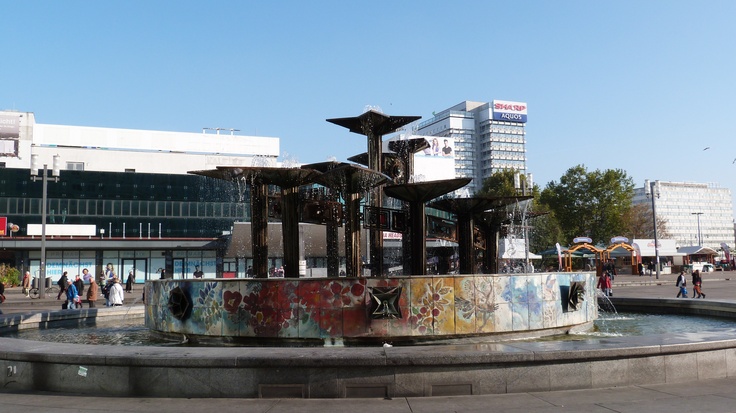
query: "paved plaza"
716, 395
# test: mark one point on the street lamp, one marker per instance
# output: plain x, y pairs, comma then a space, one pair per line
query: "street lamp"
700, 236
45, 177
525, 188
652, 191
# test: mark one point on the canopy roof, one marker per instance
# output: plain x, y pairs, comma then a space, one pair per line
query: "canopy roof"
697, 250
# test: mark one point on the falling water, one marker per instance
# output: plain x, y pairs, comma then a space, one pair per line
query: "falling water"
604, 303
289, 161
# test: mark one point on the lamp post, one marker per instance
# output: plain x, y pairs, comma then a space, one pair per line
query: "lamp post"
45, 177
524, 188
700, 236
652, 191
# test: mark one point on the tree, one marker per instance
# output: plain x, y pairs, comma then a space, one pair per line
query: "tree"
501, 184
639, 223
592, 204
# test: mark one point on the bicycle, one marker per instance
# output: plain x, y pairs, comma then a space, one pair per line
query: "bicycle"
35, 293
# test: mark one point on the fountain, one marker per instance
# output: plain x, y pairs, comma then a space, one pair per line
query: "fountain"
348, 319
354, 310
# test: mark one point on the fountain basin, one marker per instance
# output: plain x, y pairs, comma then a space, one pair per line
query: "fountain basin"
377, 371
330, 311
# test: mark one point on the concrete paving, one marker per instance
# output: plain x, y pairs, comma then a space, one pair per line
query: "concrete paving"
717, 395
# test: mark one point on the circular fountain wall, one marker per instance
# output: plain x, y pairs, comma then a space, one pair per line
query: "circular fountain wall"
364, 310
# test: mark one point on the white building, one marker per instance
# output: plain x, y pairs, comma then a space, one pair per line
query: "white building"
85, 148
696, 213
487, 137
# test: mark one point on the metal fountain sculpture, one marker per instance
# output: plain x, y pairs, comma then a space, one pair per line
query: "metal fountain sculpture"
412, 307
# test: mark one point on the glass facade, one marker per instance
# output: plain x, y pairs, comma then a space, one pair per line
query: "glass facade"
126, 204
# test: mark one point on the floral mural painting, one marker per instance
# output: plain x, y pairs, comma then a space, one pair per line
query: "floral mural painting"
208, 305
431, 299
369, 307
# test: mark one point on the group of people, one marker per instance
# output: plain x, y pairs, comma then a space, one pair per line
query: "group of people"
110, 287
74, 290
681, 283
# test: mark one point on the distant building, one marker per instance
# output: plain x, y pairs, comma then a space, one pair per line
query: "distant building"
687, 207
486, 138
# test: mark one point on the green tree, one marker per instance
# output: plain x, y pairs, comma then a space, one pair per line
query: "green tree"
501, 184
592, 204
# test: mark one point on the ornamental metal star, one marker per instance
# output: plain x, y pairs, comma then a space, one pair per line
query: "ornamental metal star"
385, 300
576, 294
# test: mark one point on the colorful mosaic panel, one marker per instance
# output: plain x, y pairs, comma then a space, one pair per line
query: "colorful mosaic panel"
336, 308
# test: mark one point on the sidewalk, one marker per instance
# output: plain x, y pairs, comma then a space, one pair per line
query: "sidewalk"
700, 396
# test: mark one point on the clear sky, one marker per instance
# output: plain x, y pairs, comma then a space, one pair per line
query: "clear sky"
643, 86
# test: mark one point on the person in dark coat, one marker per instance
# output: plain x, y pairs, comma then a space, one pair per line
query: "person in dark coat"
129, 281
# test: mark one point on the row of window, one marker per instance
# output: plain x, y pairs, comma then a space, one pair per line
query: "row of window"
124, 208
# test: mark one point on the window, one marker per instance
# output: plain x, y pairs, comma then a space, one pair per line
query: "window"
75, 166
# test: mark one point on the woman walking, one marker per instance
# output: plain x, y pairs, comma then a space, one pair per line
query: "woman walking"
604, 283
697, 283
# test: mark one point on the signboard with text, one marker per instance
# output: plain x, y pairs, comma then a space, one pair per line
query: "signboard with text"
508, 111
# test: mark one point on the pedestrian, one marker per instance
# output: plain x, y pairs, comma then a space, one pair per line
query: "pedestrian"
640, 268
117, 296
72, 297
79, 284
611, 268
129, 282
650, 268
109, 271
86, 276
2, 292
604, 283
27, 283
697, 282
682, 283
62, 283
106, 292
92, 293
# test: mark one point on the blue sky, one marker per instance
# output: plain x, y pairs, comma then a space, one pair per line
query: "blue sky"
643, 86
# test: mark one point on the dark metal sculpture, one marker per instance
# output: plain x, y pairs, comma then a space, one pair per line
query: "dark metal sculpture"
466, 209
179, 304
374, 125
258, 178
576, 295
385, 303
417, 194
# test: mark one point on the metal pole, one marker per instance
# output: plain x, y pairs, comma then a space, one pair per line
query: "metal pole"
700, 236
654, 218
42, 271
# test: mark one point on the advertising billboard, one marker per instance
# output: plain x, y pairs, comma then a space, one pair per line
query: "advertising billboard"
508, 111
9, 134
439, 146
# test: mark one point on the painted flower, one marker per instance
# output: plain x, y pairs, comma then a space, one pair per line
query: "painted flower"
231, 301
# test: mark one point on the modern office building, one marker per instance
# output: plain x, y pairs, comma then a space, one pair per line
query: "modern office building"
121, 196
487, 137
695, 213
